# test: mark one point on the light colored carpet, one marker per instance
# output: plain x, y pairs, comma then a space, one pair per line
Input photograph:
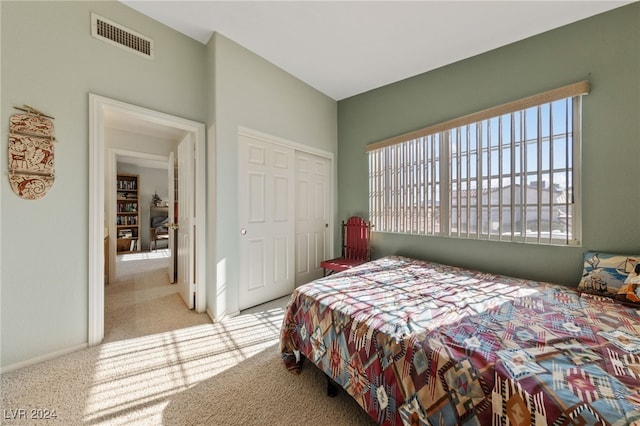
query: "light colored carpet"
227, 373
139, 301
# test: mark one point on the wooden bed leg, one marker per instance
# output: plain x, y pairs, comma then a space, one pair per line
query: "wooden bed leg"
332, 387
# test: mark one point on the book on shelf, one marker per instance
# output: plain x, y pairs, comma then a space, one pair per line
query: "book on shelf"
127, 185
125, 233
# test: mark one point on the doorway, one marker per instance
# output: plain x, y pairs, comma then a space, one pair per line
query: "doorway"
99, 110
141, 297
151, 172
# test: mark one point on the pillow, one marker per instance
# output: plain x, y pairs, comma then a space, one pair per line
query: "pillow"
630, 291
612, 275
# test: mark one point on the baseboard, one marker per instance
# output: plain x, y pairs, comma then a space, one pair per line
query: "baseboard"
42, 358
229, 315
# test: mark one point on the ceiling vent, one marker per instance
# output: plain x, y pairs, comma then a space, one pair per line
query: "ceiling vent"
120, 36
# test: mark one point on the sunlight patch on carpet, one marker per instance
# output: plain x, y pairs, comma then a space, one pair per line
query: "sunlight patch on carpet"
133, 376
143, 255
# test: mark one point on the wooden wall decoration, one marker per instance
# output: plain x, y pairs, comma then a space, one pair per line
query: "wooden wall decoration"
31, 153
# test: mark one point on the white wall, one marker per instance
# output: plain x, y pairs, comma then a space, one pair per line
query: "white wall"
252, 93
51, 62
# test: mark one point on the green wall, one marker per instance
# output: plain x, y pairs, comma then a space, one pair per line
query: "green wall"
51, 62
604, 49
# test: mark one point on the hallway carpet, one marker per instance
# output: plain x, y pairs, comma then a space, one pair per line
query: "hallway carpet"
142, 301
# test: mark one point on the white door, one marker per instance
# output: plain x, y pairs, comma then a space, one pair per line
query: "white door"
186, 221
267, 224
312, 215
172, 198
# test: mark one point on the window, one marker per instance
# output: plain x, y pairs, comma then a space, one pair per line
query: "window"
508, 173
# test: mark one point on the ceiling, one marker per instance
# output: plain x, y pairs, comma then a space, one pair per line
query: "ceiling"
128, 123
343, 48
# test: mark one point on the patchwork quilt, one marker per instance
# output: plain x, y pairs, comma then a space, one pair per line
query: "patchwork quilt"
420, 343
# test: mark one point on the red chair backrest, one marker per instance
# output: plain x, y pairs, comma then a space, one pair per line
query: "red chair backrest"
355, 239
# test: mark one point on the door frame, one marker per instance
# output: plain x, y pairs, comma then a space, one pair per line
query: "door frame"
98, 105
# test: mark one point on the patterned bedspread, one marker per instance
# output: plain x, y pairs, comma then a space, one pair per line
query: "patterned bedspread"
421, 343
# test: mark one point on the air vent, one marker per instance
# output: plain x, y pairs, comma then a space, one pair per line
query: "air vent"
120, 36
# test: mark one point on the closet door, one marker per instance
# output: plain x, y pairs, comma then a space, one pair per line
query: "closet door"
312, 215
267, 221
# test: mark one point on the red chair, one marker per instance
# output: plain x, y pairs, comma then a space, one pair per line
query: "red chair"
355, 246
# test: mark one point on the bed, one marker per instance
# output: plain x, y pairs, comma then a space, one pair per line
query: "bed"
421, 343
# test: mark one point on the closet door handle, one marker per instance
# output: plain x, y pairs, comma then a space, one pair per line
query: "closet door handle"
243, 231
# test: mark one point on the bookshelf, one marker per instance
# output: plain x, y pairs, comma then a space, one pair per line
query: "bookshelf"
127, 213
